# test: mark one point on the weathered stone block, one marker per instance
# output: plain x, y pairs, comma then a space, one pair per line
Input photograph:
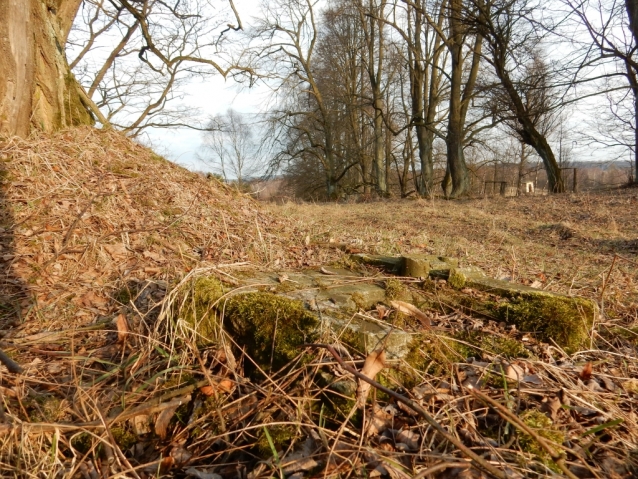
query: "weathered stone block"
366, 335
412, 265
353, 296
564, 319
424, 265
392, 264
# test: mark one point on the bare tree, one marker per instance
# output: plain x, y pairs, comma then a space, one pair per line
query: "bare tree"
170, 40
612, 27
133, 57
424, 56
288, 33
232, 147
372, 17
513, 44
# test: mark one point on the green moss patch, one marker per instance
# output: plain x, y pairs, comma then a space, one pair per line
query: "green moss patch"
543, 426
270, 327
568, 321
486, 341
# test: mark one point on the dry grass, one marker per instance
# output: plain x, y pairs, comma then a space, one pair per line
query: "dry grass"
102, 241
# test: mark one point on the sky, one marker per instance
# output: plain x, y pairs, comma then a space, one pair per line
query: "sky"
215, 95
212, 96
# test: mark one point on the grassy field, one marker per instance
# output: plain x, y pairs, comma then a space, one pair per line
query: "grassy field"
567, 242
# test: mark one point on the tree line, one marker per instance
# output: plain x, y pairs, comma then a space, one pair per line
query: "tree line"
366, 93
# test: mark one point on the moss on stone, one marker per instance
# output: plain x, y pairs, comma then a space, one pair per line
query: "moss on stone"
431, 353
270, 327
395, 289
543, 426
45, 408
358, 299
124, 438
82, 442
456, 279
566, 320
281, 435
199, 309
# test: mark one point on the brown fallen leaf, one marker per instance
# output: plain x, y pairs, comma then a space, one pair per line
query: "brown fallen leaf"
180, 455
382, 311
117, 251
122, 328
374, 363
411, 310
514, 372
163, 420
325, 271
92, 300
225, 385
551, 406
586, 372
158, 258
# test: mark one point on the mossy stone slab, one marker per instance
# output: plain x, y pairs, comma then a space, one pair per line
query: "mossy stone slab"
366, 335
567, 320
353, 296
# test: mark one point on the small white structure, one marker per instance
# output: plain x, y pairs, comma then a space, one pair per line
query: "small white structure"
529, 187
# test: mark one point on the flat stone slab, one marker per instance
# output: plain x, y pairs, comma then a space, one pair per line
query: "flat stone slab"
353, 296
410, 265
567, 320
366, 335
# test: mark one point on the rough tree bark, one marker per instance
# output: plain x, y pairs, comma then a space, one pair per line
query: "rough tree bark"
456, 181
632, 13
37, 88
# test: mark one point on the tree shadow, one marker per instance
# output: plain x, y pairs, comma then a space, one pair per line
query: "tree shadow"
15, 297
622, 247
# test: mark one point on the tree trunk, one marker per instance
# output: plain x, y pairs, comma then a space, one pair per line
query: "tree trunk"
456, 167
37, 88
635, 178
379, 148
632, 13
528, 132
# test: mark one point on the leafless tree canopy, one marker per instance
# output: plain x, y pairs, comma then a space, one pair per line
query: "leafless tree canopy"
134, 57
369, 96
